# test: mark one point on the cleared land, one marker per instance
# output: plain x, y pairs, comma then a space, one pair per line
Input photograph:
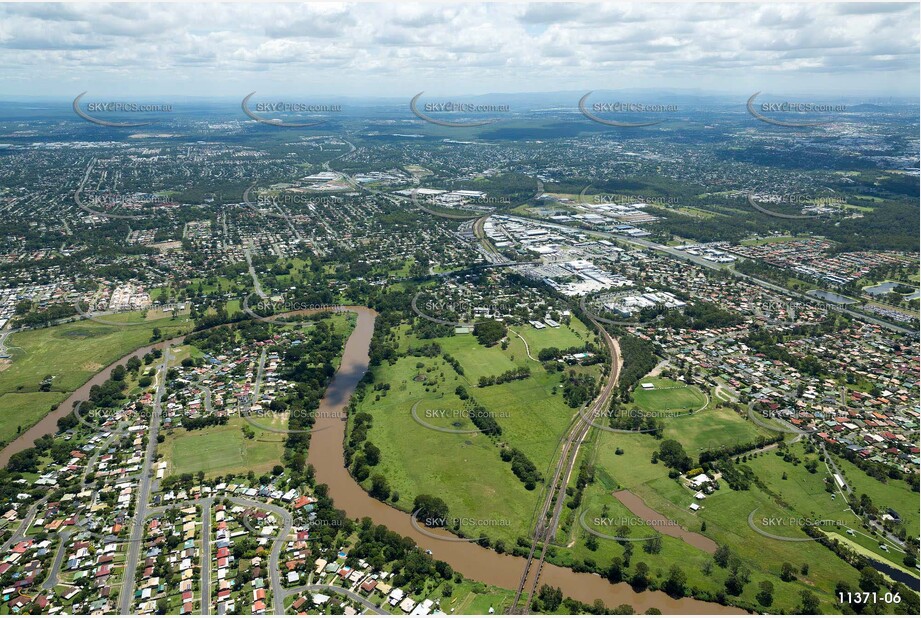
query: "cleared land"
466, 469
668, 396
725, 512
223, 450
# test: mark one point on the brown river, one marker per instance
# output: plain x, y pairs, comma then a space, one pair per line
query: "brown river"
326, 455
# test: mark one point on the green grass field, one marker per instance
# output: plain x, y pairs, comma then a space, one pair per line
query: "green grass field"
465, 469
725, 512
70, 353
223, 450
893, 494
712, 428
668, 396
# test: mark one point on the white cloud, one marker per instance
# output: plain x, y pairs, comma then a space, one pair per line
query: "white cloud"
399, 49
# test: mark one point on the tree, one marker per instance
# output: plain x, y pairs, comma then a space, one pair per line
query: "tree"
809, 603
615, 572
380, 488
672, 453
550, 597
430, 509
591, 543
721, 556
787, 572
640, 579
372, 454
276, 470
765, 594
489, 332
734, 584
653, 544
870, 579
674, 585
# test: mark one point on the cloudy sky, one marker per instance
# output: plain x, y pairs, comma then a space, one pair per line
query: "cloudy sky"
459, 48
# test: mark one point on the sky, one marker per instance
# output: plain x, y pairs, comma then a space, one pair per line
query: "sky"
371, 50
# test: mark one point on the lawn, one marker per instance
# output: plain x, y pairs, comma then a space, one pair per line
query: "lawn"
222, 450
563, 337
712, 428
892, 494
465, 470
668, 396
71, 353
19, 411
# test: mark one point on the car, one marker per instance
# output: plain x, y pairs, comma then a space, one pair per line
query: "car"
884, 548
849, 531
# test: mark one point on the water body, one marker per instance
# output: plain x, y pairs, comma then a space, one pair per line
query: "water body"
900, 576
326, 455
831, 297
881, 289
477, 562
884, 288
639, 508
49, 423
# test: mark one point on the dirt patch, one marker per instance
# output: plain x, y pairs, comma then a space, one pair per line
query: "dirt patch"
639, 508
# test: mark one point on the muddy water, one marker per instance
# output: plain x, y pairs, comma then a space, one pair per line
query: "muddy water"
639, 508
326, 455
49, 423
470, 559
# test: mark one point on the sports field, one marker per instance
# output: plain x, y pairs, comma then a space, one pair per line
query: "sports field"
223, 450
668, 396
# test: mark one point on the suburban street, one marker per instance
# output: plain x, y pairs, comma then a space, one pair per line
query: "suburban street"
143, 494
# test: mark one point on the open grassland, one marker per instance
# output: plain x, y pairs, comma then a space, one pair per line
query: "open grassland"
712, 428
725, 513
71, 354
465, 469
21, 410
221, 450
893, 494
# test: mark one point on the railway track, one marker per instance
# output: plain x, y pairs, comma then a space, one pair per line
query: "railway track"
556, 490
556, 494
